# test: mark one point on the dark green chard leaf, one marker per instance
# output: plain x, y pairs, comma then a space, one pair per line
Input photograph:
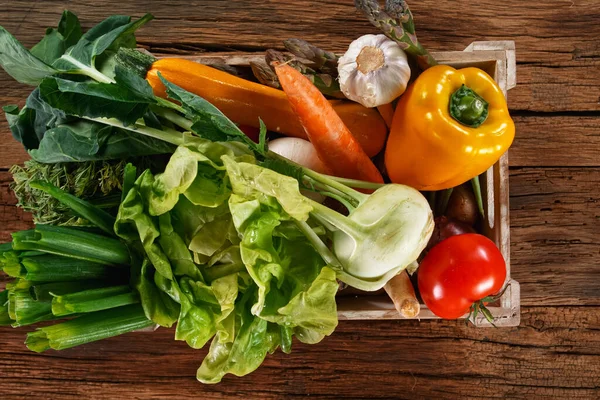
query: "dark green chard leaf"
208, 121
29, 125
93, 99
137, 85
89, 141
114, 32
88, 328
19, 63
21, 124
57, 41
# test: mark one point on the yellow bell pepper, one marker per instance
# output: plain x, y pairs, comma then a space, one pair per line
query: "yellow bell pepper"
449, 126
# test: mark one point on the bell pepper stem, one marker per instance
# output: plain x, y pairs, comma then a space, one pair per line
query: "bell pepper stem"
467, 107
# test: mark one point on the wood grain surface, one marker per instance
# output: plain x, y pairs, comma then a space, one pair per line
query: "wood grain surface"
555, 212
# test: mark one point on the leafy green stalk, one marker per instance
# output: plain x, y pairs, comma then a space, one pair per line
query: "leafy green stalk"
75, 243
88, 328
94, 300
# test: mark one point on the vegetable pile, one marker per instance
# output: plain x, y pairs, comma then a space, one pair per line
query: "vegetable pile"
164, 195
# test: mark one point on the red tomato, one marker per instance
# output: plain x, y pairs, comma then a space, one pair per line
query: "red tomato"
458, 272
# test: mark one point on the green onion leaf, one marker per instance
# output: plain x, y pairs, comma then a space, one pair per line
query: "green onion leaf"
94, 300
88, 328
75, 243
4, 317
53, 268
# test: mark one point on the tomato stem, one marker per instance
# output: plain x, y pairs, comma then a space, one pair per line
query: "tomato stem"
480, 306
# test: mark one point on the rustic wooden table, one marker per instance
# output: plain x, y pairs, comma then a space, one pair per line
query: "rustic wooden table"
555, 195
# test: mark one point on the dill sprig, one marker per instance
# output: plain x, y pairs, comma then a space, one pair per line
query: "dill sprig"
99, 182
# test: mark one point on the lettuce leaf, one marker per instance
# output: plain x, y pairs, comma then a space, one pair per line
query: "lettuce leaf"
221, 244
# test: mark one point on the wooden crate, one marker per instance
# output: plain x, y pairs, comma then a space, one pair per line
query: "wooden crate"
497, 58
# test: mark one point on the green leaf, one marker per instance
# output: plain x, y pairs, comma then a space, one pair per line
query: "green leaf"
254, 339
21, 124
90, 141
93, 99
196, 323
209, 122
176, 250
19, 63
134, 224
137, 85
250, 180
57, 41
116, 30
157, 305
193, 174
29, 125
129, 176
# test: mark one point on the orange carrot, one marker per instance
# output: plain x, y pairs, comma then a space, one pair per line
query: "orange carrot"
335, 145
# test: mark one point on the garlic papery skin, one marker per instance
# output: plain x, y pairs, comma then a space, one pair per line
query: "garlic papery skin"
373, 71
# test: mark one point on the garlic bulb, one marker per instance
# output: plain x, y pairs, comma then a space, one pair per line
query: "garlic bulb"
374, 71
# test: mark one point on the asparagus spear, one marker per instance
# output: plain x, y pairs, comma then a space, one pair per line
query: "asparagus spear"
325, 61
265, 75
396, 22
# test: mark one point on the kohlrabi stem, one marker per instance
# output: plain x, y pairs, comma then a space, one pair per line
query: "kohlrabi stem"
318, 244
341, 199
333, 193
88, 71
337, 220
326, 180
355, 183
177, 140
